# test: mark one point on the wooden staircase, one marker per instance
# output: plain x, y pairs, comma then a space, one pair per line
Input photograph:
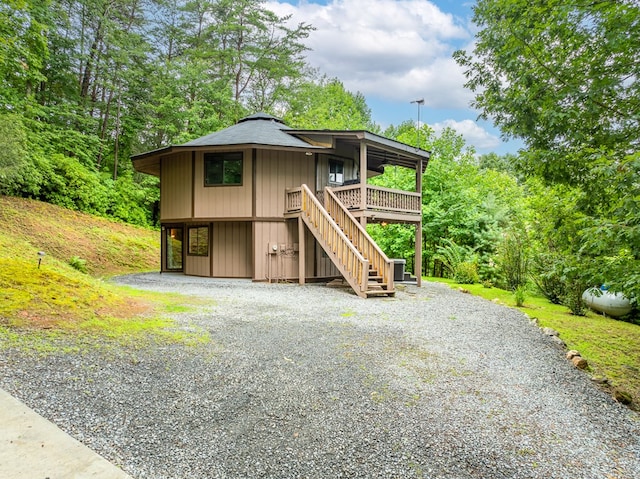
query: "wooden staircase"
358, 258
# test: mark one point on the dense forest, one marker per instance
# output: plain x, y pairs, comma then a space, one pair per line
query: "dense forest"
87, 83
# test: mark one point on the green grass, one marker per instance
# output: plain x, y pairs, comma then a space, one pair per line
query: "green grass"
52, 306
611, 347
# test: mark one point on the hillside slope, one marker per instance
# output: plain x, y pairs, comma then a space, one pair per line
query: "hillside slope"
55, 294
108, 247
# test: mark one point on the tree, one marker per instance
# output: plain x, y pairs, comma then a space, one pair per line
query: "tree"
23, 50
462, 204
565, 77
13, 153
326, 103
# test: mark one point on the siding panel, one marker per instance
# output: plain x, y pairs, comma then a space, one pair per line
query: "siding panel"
283, 263
197, 265
275, 172
232, 250
175, 186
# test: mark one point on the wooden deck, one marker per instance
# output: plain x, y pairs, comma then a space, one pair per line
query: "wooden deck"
377, 205
358, 258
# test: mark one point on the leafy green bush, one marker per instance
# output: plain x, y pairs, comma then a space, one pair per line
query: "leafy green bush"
466, 273
520, 295
572, 298
489, 272
74, 186
576, 277
451, 255
547, 277
513, 258
13, 152
78, 264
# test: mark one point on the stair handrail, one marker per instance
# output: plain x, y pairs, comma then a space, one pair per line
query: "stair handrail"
347, 222
355, 264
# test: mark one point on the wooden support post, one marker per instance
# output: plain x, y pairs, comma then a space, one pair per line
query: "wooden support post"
363, 177
302, 256
418, 242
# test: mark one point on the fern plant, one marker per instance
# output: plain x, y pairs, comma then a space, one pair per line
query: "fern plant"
459, 261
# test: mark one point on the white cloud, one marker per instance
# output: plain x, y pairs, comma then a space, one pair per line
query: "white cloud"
472, 133
391, 49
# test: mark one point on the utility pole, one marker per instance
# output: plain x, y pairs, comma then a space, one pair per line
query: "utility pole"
417, 267
419, 102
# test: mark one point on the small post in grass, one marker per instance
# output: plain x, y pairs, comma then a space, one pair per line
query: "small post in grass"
41, 254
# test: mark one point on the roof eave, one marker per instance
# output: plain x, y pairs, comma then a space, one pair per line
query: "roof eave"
370, 138
149, 162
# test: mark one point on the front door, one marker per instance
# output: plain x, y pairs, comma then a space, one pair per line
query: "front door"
173, 250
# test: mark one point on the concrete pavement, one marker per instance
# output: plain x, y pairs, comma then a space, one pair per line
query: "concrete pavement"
32, 447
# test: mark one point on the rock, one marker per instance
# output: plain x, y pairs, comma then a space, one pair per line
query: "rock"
572, 354
463, 290
622, 397
580, 362
558, 341
599, 380
550, 332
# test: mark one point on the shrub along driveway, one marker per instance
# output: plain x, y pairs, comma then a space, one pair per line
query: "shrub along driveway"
309, 381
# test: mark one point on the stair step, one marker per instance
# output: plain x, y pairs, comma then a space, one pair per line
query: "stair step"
385, 292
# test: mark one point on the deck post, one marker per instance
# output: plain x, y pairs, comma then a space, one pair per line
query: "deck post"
418, 243
301, 251
363, 177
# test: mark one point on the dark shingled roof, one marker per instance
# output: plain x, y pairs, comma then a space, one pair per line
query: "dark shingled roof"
263, 130
257, 129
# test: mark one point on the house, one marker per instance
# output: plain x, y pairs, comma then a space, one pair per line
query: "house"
264, 201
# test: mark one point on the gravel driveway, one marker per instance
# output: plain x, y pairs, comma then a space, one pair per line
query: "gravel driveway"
314, 382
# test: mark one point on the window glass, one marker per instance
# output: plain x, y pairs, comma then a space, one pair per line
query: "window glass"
222, 169
173, 250
199, 241
336, 172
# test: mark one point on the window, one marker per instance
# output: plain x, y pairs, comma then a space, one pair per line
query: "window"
222, 169
336, 172
199, 241
173, 248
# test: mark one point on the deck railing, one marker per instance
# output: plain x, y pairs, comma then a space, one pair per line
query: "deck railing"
293, 200
379, 198
359, 237
351, 263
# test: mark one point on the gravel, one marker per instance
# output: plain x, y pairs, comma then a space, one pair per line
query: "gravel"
314, 382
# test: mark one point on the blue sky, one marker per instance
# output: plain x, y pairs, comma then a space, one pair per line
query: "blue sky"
394, 52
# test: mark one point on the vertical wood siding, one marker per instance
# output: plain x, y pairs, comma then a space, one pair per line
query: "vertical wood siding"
283, 264
197, 265
223, 201
277, 171
175, 186
232, 256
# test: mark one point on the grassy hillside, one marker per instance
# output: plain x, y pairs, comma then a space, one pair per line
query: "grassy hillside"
107, 247
57, 297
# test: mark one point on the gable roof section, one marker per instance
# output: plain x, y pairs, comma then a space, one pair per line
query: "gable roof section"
265, 130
